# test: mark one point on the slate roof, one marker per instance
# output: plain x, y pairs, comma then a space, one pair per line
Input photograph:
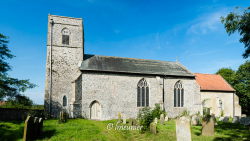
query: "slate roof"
212, 82
132, 65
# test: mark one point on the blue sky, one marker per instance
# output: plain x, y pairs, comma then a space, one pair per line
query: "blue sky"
189, 31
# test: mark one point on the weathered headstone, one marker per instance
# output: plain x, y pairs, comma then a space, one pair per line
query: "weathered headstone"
183, 131
36, 126
195, 120
155, 120
208, 126
124, 119
221, 118
162, 119
40, 126
166, 118
226, 119
63, 116
28, 128
153, 128
245, 121
119, 117
236, 119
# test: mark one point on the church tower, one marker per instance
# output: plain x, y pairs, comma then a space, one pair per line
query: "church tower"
65, 46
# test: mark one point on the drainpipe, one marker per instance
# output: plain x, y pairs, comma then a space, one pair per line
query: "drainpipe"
51, 41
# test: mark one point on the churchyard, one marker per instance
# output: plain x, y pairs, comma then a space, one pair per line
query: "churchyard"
81, 129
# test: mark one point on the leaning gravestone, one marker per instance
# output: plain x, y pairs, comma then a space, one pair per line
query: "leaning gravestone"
236, 119
183, 131
36, 126
162, 119
28, 128
208, 126
40, 126
153, 128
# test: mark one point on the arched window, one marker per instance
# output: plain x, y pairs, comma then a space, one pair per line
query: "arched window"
65, 36
142, 93
64, 101
178, 94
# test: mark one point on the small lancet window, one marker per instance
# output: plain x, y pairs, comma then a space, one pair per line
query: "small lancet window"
142, 93
65, 36
64, 101
178, 94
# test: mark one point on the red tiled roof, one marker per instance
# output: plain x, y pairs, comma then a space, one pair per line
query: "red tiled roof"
212, 82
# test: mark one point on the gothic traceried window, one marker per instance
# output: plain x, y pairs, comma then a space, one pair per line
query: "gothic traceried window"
178, 94
142, 93
65, 36
64, 101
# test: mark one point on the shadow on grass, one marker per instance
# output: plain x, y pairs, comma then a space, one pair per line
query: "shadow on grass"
232, 131
11, 130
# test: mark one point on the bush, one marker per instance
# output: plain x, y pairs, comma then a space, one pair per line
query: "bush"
156, 112
147, 116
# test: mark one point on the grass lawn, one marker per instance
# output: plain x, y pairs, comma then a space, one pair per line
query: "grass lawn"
80, 129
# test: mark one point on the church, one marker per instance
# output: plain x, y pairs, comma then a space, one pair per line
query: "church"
100, 87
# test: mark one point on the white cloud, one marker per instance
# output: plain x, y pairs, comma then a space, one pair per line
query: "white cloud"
207, 23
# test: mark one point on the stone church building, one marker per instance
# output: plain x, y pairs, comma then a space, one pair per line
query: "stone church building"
100, 87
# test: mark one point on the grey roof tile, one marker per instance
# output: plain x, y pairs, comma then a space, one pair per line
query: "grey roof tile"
132, 65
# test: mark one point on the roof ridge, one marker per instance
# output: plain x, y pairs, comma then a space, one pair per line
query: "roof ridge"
130, 58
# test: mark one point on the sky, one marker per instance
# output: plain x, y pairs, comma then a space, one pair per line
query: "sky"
170, 30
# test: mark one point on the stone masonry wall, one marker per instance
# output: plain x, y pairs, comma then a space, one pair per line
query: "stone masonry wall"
118, 93
65, 62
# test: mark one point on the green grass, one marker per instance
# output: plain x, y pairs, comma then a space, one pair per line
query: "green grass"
80, 129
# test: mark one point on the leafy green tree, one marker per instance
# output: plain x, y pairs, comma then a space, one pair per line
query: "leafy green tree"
243, 86
240, 80
239, 22
228, 74
9, 87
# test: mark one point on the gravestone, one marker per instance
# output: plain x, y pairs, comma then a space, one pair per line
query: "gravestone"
162, 119
124, 119
119, 117
63, 116
208, 126
221, 118
195, 120
183, 131
40, 126
28, 128
36, 126
226, 119
153, 128
245, 121
155, 120
236, 119
132, 121
166, 118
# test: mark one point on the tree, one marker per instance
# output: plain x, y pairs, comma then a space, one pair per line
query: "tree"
9, 87
239, 22
240, 81
228, 74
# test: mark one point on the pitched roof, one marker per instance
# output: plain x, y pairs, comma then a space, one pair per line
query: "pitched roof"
212, 82
132, 65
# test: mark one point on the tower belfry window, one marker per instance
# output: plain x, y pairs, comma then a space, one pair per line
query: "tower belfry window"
65, 36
